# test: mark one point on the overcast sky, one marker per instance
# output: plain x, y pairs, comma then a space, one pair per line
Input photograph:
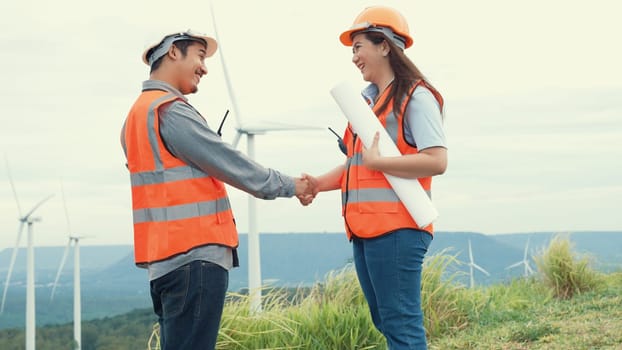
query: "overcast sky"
533, 95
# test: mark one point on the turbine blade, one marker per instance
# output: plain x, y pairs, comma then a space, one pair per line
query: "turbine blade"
11, 264
236, 110
236, 139
62, 193
8, 170
470, 252
60, 268
514, 265
526, 248
38, 205
481, 269
266, 126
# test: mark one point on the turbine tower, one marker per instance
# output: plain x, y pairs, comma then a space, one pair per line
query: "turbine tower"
254, 259
472, 265
528, 270
29, 220
77, 306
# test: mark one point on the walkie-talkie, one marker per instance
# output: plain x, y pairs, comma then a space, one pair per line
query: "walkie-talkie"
342, 145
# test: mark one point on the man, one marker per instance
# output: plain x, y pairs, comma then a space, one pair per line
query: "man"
184, 230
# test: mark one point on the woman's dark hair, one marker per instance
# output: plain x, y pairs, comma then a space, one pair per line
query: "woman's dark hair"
182, 45
406, 73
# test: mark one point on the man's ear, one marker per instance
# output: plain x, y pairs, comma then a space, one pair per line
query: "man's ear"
173, 52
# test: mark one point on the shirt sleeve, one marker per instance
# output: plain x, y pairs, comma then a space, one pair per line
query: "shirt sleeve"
424, 123
188, 137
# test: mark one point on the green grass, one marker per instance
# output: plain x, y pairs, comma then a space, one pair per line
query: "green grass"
526, 315
332, 315
564, 272
566, 305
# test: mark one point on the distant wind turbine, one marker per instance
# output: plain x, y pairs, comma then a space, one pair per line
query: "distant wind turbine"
254, 261
30, 263
528, 270
77, 305
472, 265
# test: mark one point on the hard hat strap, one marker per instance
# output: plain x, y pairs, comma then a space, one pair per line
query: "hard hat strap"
398, 40
166, 43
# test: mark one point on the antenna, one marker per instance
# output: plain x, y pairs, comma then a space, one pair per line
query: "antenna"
222, 123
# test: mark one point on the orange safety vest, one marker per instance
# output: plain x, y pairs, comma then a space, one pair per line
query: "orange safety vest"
370, 207
176, 207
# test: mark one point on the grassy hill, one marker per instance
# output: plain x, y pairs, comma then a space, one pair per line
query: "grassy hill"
528, 320
112, 285
522, 313
531, 319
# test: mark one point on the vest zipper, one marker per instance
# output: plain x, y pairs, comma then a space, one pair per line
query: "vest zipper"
345, 207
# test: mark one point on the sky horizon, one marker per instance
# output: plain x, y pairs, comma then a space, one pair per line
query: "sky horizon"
533, 118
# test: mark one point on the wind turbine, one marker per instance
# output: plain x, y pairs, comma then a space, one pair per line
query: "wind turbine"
472, 265
77, 309
254, 261
528, 270
30, 263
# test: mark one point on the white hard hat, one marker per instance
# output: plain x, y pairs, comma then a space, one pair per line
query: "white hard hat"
154, 52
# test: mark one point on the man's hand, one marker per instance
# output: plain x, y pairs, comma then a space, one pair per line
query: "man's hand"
307, 188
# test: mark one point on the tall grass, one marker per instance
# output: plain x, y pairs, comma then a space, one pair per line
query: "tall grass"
154, 340
445, 303
565, 272
334, 315
331, 315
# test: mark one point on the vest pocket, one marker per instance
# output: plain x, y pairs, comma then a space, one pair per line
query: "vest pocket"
374, 193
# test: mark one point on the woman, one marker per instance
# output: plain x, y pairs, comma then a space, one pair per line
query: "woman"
388, 245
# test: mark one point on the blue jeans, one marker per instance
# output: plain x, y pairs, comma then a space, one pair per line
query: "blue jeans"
389, 271
189, 303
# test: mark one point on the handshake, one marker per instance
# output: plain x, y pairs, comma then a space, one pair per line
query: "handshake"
307, 187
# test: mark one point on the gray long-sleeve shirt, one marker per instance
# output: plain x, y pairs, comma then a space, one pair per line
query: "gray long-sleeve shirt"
188, 137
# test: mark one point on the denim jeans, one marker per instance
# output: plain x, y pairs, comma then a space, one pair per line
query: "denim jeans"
389, 271
189, 303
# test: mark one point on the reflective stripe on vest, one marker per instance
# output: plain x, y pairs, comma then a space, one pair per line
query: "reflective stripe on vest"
370, 206
174, 174
176, 207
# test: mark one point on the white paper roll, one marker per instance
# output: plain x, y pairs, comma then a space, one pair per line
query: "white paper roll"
365, 123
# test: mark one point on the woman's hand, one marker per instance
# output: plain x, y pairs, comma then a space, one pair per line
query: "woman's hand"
371, 155
427, 162
312, 190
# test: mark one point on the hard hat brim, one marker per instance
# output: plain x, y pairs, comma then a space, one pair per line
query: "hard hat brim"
346, 37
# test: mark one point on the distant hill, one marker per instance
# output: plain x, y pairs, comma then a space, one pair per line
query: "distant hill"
496, 252
111, 284
48, 258
605, 248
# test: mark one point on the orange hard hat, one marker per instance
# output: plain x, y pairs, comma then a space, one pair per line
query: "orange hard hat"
383, 19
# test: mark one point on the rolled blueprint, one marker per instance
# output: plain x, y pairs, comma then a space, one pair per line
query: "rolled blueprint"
365, 123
